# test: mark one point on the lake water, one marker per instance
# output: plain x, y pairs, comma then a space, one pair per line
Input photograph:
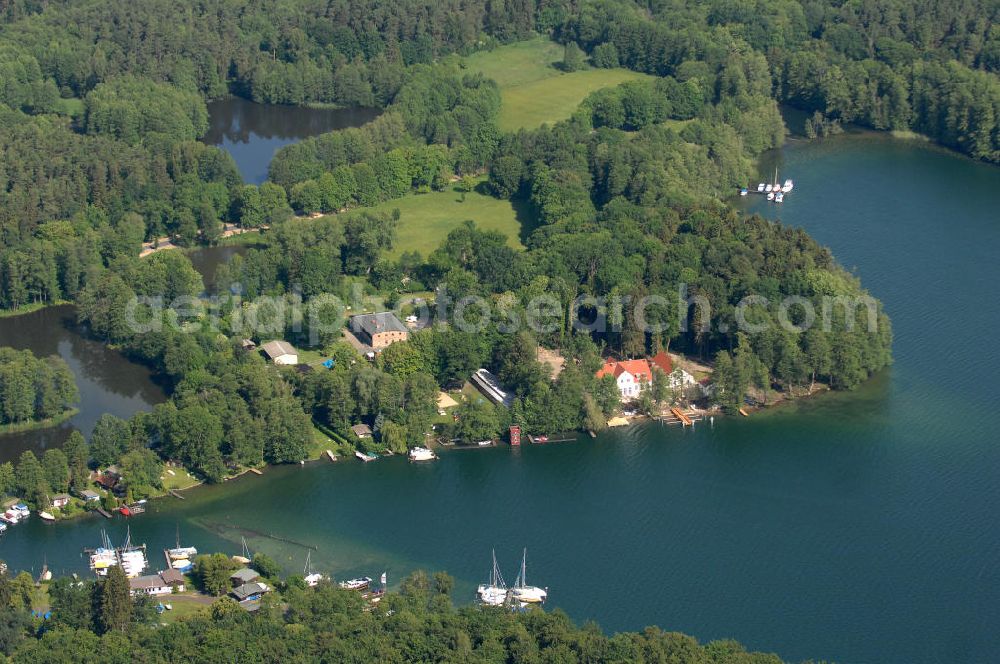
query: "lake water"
855, 527
108, 382
252, 132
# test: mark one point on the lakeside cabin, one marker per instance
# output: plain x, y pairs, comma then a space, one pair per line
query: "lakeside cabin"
249, 591
490, 386
362, 431
60, 500
89, 496
161, 583
281, 352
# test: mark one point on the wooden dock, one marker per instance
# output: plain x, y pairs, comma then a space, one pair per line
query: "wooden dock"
175, 494
256, 471
682, 416
103, 512
330, 455
744, 413
678, 416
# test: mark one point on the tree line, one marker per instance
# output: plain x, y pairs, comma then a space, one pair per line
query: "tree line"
910, 65
97, 621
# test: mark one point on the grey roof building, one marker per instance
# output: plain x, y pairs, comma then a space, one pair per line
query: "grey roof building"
249, 591
379, 330
245, 575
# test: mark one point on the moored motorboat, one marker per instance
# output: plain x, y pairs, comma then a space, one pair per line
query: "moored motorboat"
770, 196
778, 197
422, 454
787, 187
182, 552
768, 187
360, 583
760, 188
46, 516
743, 191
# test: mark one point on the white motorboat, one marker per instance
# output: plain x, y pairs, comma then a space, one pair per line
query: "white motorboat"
46, 516
182, 552
768, 187
495, 592
770, 196
787, 187
356, 584
778, 197
524, 593
760, 188
422, 454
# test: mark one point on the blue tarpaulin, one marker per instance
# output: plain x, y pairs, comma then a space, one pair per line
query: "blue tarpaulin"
328, 363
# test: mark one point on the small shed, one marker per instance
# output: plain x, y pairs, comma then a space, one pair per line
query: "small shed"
243, 576
90, 496
60, 500
362, 430
281, 352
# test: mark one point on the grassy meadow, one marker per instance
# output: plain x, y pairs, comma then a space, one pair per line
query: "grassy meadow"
534, 90
426, 219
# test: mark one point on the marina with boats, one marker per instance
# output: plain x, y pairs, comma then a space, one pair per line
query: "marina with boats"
773, 191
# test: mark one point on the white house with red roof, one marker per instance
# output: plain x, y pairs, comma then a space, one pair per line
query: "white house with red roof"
634, 376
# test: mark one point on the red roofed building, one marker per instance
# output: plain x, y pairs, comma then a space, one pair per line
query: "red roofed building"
633, 376
662, 360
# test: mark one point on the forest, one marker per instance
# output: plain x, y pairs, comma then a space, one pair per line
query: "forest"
34, 389
97, 621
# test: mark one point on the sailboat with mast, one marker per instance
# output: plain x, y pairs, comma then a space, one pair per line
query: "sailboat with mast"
493, 593
244, 558
312, 578
524, 593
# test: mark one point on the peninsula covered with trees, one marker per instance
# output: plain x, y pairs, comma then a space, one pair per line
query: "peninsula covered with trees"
99, 131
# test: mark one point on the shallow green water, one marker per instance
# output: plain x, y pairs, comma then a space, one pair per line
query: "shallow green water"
856, 527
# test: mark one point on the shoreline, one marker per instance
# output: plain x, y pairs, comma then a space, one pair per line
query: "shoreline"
33, 425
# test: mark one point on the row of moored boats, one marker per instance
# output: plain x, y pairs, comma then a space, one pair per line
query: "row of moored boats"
496, 592
774, 191
13, 516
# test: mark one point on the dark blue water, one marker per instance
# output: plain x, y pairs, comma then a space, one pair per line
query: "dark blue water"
252, 133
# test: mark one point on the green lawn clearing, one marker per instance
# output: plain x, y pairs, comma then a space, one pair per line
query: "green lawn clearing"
426, 219
534, 90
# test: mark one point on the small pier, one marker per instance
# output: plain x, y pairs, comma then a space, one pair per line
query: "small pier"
678, 416
256, 471
103, 512
545, 440
682, 416
175, 494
